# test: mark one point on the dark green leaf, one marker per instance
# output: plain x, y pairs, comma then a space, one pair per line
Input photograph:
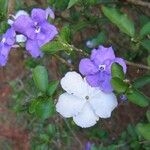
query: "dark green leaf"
141, 81
145, 30
144, 130
65, 34
137, 98
117, 71
118, 85
120, 20
148, 115
40, 77
52, 47
71, 3
52, 87
146, 44
3, 27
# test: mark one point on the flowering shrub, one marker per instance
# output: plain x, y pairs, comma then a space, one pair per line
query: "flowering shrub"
93, 75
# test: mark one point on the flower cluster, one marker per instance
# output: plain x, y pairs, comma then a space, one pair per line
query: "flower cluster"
35, 30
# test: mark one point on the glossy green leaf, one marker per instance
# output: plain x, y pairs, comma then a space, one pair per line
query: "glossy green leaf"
145, 30
52, 87
144, 130
118, 85
40, 77
52, 47
137, 98
117, 71
141, 81
146, 44
71, 3
120, 20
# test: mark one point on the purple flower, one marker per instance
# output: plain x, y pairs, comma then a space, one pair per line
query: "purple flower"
97, 69
37, 30
88, 146
7, 41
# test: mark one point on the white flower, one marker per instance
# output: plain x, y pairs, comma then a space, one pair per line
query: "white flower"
83, 102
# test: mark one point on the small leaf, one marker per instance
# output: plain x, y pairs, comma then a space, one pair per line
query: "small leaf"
145, 30
40, 77
137, 98
44, 108
52, 87
146, 44
141, 81
118, 85
148, 115
117, 71
120, 20
65, 34
71, 3
52, 47
144, 130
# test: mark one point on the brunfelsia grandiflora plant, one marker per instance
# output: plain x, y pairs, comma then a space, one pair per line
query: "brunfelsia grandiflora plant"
94, 74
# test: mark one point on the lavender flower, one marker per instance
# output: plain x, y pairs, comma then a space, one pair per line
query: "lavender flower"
88, 146
37, 30
7, 41
97, 69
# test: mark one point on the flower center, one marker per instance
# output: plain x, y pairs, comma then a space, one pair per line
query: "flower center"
37, 29
102, 67
87, 97
3, 40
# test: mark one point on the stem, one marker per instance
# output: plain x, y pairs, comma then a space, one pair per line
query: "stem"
140, 3
11, 7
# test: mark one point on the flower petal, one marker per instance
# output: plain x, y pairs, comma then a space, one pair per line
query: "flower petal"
69, 105
102, 54
86, 118
22, 24
38, 15
20, 38
103, 104
33, 49
74, 84
94, 80
86, 67
49, 12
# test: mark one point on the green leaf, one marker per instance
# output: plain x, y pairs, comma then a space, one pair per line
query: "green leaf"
52, 47
148, 115
40, 77
3, 27
44, 108
51, 130
52, 87
141, 81
120, 20
146, 44
145, 30
65, 34
44, 137
137, 98
144, 130
117, 71
118, 85
71, 3
148, 60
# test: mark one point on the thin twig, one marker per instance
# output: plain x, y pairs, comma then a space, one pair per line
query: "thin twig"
11, 7
140, 3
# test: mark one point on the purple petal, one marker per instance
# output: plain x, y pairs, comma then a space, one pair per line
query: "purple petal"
94, 80
88, 146
22, 24
30, 33
4, 50
49, 12
10, 36
106, 84
38, 15
3, 60
33, 48
86, 67
102, 54
122, 63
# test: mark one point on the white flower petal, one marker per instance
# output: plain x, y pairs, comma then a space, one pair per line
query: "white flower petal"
74, 84
103, 104
10, 22
86, 118
20, 38
21, 12
69, 105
